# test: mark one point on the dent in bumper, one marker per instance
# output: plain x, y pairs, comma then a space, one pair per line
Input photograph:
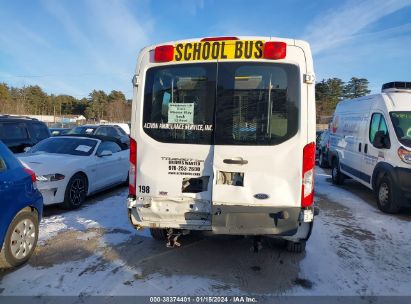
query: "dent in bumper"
226, 219
186, 213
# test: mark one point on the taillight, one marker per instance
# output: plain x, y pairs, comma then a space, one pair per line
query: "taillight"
275, 50
133, 168
219, 38
164, 53
32, 175
307, 190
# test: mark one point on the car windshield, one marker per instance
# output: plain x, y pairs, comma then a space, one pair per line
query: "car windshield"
82, 130
65, 145
402, 126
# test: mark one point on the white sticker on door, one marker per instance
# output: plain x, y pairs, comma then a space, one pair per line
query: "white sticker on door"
181, 113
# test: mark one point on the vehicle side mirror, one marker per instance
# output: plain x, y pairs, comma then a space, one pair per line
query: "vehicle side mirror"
105, 153
381, 140
26, 149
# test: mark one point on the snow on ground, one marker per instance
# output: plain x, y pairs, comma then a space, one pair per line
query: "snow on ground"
109, 214
354, 250
96, 274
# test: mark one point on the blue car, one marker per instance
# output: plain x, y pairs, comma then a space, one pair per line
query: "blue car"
21, 208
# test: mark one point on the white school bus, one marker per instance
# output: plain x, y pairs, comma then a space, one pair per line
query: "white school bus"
222, 139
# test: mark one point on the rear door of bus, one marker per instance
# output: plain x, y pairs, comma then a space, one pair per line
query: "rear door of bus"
227, 131
175, 151
260, 132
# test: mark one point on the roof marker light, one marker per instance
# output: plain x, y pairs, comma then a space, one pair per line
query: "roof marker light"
275, 50
164, 53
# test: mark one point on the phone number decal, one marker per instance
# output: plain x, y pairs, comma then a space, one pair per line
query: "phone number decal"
183, 166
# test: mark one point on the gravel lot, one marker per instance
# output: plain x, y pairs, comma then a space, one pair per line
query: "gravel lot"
354, 250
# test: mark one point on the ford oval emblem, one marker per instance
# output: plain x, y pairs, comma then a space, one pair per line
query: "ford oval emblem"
261, 196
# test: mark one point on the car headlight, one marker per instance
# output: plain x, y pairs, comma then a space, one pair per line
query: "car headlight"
50, 177
405, 155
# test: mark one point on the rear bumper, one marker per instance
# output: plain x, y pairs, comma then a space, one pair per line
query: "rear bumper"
246, 220
285, 222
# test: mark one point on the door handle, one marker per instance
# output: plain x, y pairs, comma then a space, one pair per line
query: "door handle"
365, 148
235, 161
359, 147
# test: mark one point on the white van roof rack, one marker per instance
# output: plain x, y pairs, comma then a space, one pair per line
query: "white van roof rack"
396, 86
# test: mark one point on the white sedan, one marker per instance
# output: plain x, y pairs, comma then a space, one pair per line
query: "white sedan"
69, 168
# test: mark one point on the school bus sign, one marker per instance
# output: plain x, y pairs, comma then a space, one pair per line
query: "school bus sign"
220, 50
211, 50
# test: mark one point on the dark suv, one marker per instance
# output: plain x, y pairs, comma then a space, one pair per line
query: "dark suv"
19, 132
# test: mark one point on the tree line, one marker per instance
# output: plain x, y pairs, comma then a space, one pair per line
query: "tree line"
328, 92
34, 101
115, 107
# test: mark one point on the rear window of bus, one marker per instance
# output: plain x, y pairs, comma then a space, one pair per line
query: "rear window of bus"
230, 103
179, 103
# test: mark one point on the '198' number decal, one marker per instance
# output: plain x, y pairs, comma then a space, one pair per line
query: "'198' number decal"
144, 189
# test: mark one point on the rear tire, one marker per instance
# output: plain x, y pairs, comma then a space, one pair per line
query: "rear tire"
158, 234
76, 192
20, 240
296, 247
387, 198
336, 175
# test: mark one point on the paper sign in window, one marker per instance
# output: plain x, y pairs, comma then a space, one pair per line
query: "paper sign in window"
83, 148
181, 113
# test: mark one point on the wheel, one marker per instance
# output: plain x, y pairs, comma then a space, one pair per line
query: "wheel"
296, 247
158, 234
336, 175
387, 198
20, 241
322, 161
76, 192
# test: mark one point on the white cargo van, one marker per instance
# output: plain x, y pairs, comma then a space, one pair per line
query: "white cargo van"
371, 143
222, 138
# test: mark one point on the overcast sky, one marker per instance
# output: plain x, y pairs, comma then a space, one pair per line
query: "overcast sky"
73, 47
